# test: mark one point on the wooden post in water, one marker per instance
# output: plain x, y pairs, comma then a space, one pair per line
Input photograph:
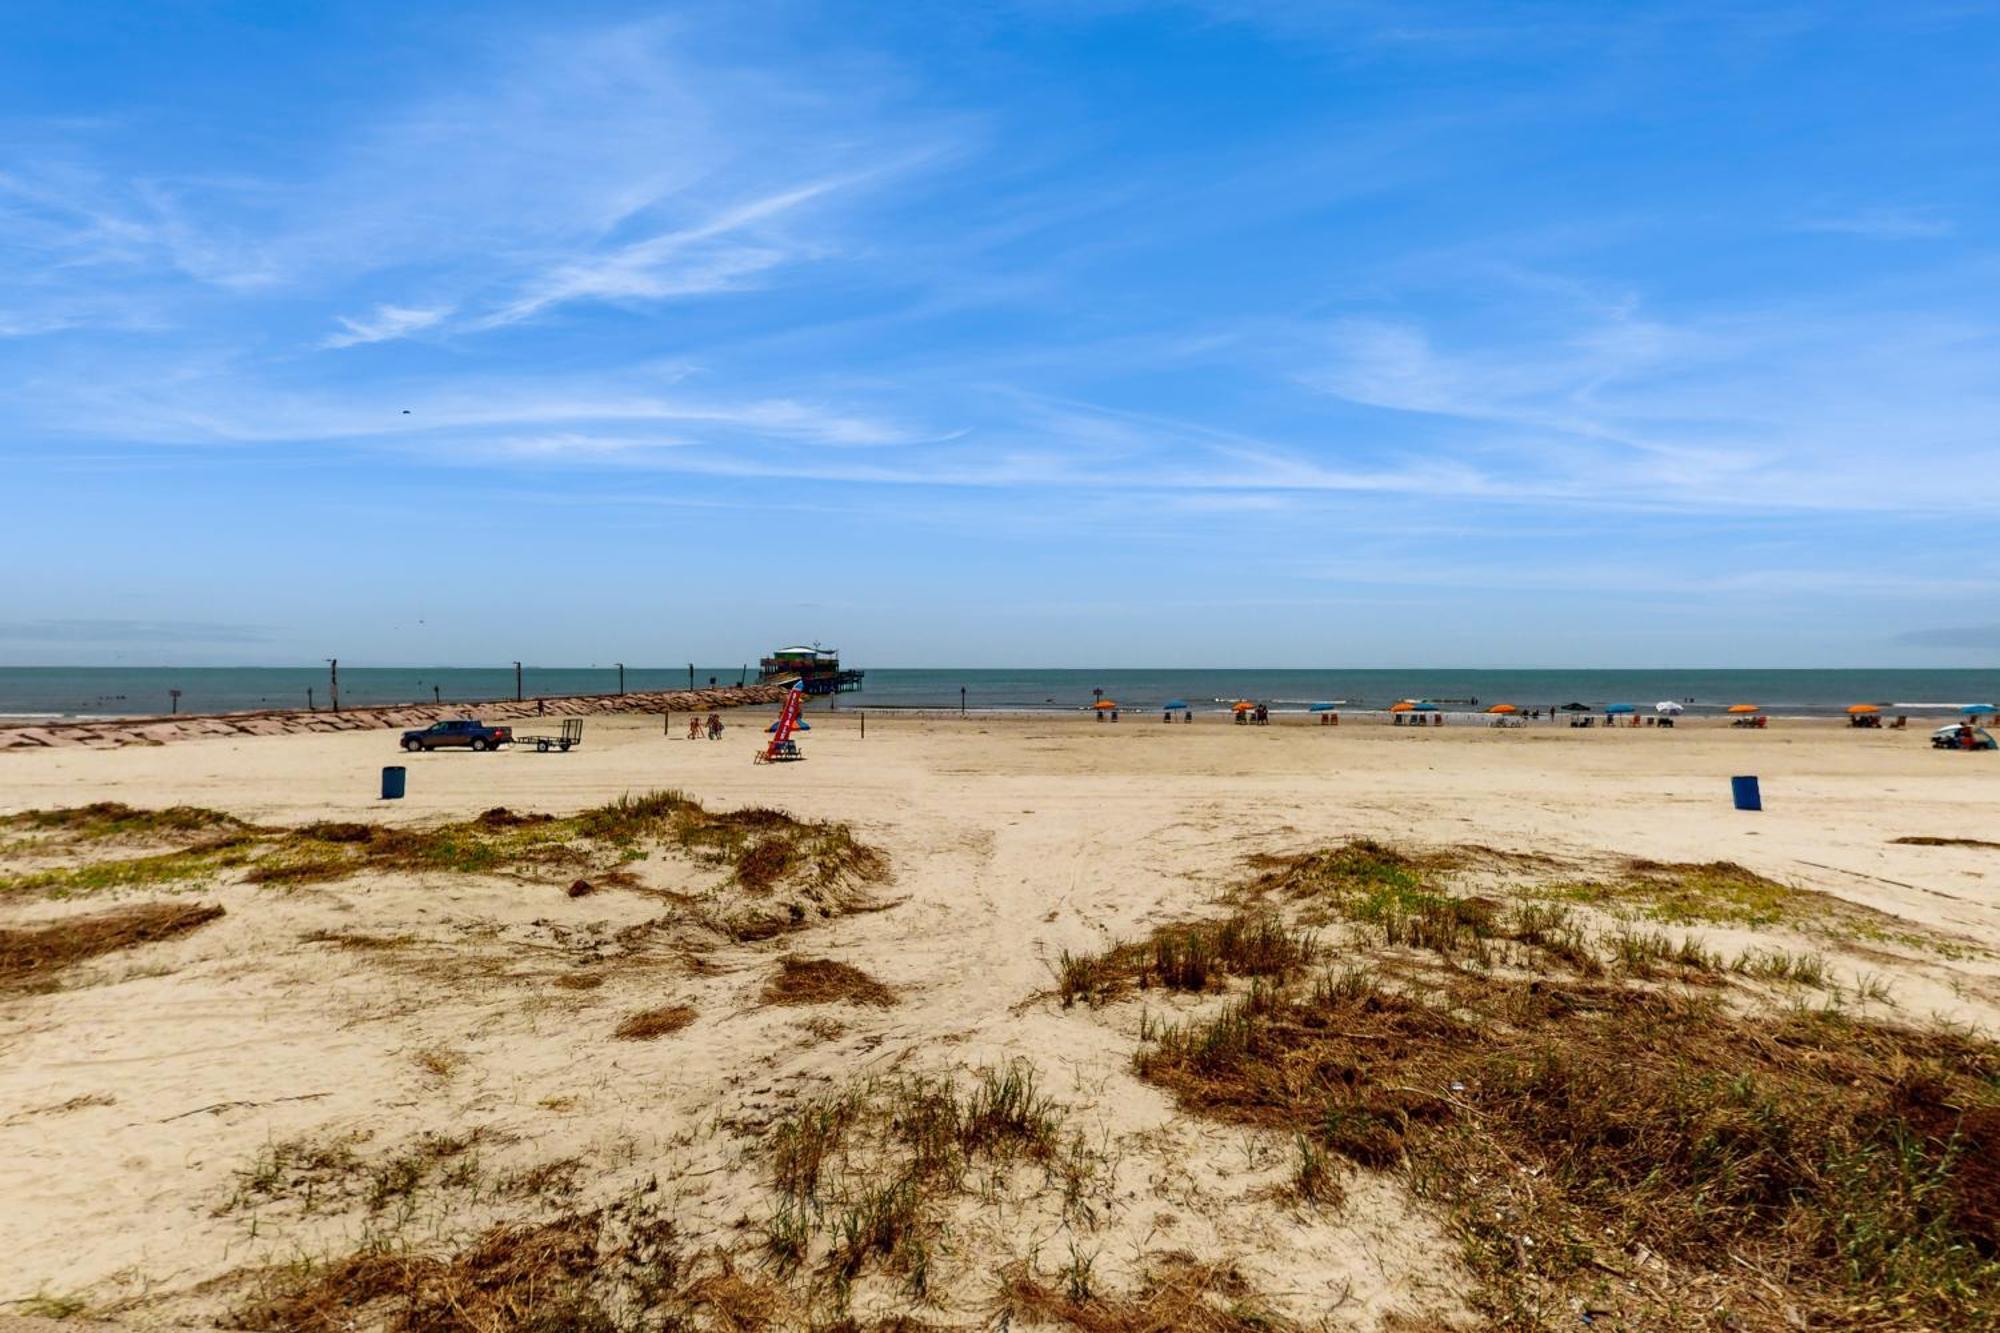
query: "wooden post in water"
517, 682
333, 681
309, 700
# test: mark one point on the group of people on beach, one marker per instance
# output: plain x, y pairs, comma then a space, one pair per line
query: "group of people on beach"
713, 726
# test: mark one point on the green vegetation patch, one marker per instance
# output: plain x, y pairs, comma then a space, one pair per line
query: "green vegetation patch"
759, 849
163, 869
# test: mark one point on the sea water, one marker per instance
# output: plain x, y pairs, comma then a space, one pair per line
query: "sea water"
128, 691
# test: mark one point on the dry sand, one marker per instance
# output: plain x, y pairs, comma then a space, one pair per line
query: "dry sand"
134, 1098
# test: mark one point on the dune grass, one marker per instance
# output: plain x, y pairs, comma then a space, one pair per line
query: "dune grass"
32, 956
824, 981
862, 1177
758, 849
1176, 1292
1194, 957
1567, 1128
649, 1024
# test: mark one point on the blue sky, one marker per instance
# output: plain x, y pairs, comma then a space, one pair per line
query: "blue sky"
1042, 333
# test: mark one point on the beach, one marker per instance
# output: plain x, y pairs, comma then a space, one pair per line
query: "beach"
144, 1092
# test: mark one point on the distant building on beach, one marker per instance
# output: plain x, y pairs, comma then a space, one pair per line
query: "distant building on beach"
817, 668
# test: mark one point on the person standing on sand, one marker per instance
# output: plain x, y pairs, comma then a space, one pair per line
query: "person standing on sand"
715, 726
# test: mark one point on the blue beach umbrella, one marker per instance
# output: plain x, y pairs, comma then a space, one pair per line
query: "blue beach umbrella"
1179, 705
1620, 708
1978, 708
1323, 708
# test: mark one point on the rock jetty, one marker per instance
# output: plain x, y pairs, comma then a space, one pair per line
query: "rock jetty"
110, 733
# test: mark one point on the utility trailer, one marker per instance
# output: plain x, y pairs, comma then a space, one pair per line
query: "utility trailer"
571, 737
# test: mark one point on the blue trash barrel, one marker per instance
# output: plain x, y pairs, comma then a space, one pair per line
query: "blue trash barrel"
392, 782
1745, 791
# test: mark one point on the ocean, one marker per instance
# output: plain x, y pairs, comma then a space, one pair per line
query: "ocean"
129, 691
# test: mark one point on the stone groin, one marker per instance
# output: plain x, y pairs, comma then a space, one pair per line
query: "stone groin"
104, 733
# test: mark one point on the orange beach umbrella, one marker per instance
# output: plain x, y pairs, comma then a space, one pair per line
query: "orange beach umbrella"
1503, 708
1402, 706
1105, 705
1242, 706
1864, 708
1744, 708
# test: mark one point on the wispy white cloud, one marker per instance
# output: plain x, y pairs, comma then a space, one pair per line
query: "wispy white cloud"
1882, 224
688, 261
388, 322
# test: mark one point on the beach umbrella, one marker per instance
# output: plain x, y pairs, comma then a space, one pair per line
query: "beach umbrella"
1743, 708
1863, 708
1323, 708
1971, 709
1620, 708
1503, 708
1575, 708
1242, 706
1402, 706
1669, 707
1178, 705
1105, 705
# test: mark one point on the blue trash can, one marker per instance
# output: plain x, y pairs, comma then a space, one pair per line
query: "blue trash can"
1745, 791
392, 782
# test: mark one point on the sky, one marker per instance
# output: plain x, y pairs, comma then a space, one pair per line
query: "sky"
1043, 333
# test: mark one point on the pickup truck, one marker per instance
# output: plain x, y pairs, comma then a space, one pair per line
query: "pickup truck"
465, 731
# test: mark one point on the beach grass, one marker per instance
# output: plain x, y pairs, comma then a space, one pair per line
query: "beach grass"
1566, 1129
31, 957
757, 849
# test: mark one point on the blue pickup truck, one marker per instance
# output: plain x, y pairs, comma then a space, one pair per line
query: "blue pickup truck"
466, 732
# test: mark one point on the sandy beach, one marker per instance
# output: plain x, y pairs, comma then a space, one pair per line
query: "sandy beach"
161, 1104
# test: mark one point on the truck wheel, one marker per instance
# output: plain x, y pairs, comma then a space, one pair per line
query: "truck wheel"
413, 745
478, 743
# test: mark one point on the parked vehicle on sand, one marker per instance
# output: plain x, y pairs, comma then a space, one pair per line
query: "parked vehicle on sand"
1963, 736
463, 733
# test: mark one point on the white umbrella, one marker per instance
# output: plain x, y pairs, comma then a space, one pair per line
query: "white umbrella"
1668, 706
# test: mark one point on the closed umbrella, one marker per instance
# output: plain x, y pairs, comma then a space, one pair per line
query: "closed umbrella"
1669, 707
